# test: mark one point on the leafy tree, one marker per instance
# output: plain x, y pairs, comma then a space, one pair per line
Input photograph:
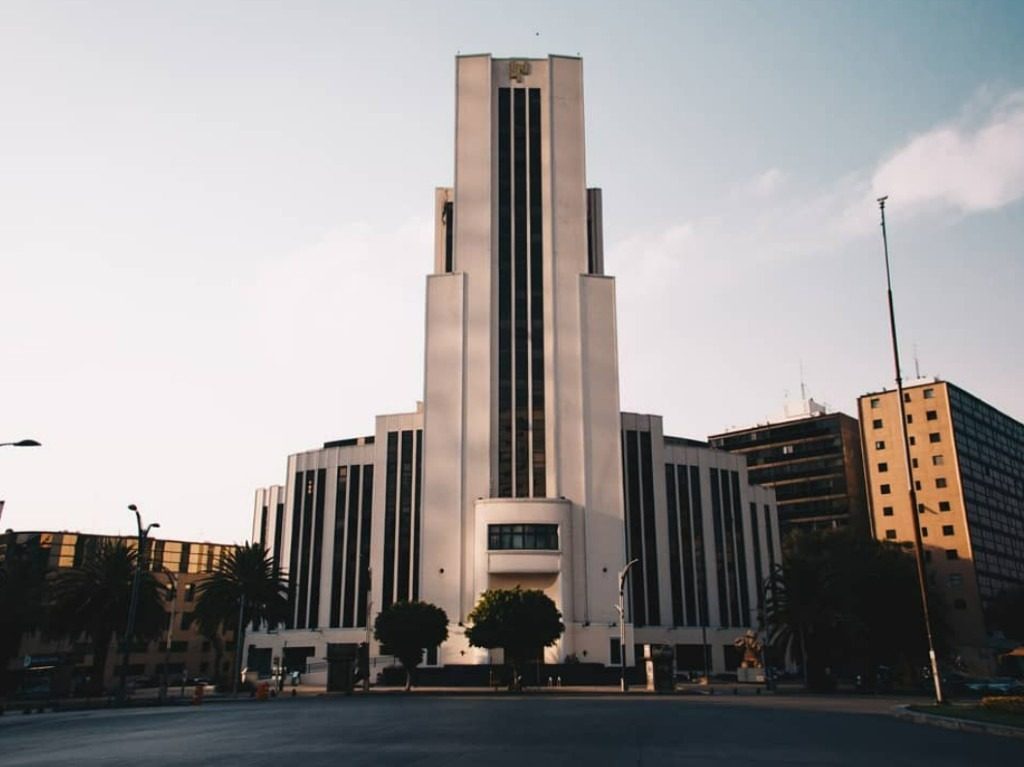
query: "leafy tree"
245, 588
93, 600
23, 572
1006, 613
520, 622
407, 629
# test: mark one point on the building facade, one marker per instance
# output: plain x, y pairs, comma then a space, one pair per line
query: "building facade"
812, 458
178, 566
518, 468
967, 462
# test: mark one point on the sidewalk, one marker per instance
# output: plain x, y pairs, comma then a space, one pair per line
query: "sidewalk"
956, 723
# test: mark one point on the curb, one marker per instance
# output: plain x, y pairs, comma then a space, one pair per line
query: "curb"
953, 723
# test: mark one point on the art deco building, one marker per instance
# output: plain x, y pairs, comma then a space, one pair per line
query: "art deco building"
812, 458
518, 468
968, 468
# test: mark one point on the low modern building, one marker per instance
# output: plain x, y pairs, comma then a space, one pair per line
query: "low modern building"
967, 464
812, 458
179, 566
518, 468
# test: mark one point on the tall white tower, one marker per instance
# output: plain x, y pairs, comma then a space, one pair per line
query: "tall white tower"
522, 480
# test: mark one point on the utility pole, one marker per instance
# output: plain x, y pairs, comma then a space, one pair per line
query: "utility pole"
173, 588
239, 641
918, 546
129, 631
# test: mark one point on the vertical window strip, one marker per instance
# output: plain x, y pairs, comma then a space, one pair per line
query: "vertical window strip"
538, 425
674, 553
351, 541
700, 568
449, 229
741, 551
417, 479
520, 360
263, 527
339, 542
730, 549
278, 535
716, 520
307, 531
504, 294
390, 497
364, 544
755, 544
686, 535
634, 533
293, 558
769, 537
404, 519
650, 531
318, 549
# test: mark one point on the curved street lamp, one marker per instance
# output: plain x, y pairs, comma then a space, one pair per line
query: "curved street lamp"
129, 631
22, 443
621, 607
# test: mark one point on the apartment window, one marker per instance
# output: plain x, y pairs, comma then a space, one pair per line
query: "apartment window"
529, 537
924, 532
929, 393
906, 396
913, 440
917, 484
960, 604
787, 450
952, 554
875, 403
190, 592
913, 462
910, 418
934, 437
940, 482
885, 489
932, 415
938, 460
879, 445
956, 580
883, 467
876, 424
887, 511
890, 534
943, 505
920, 508
947, 530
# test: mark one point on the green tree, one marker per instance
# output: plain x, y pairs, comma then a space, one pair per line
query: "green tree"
23, 571
1006, 613
245, 588
520, 622
406, 629
92, 600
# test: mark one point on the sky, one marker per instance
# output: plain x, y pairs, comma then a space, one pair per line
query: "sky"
215, 222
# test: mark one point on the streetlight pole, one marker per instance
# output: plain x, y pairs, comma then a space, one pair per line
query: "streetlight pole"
239, 640
129, 631
918, 546
173, 583
21, 443
621, 607
369, 612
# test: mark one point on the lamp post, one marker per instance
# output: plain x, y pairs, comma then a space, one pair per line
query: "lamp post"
621, 607
369, 612
239, 640
129, 631
173, 587
918, 546
21, 443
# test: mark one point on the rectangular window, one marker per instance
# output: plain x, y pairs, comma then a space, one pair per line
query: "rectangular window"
913, 462
522, 537
943, 505
879, 445
924, 532
885, 489
929, 393
337, 560
932, 415
906, 396
952, 554
947, 530
940, 482
938, 460
956, 580
883, 467
787, 450
505, 293
887, 511
890, 534
934, 437
390, 520
920, 508
876, 424
910, 418
356, 485
875, 403
913, 441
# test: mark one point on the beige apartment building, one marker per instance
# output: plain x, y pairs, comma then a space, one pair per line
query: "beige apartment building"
179, 566
967, 464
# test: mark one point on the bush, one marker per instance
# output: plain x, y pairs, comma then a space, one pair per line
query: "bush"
1007, 704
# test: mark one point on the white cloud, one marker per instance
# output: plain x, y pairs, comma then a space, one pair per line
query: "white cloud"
967, 168
766, 183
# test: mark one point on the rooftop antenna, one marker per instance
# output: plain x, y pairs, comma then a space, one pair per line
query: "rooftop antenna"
912, 511
803, 386
917, 363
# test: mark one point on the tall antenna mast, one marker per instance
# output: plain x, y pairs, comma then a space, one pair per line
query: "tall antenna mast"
917, 364
803, 387
918, 546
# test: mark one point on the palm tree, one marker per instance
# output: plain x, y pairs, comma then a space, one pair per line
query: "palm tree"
23, 570
245, 588
93, 599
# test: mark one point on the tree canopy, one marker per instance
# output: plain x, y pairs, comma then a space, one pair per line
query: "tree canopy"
406, 629
521, 622
23, 572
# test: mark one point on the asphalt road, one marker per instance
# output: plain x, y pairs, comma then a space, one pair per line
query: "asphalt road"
531, 731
